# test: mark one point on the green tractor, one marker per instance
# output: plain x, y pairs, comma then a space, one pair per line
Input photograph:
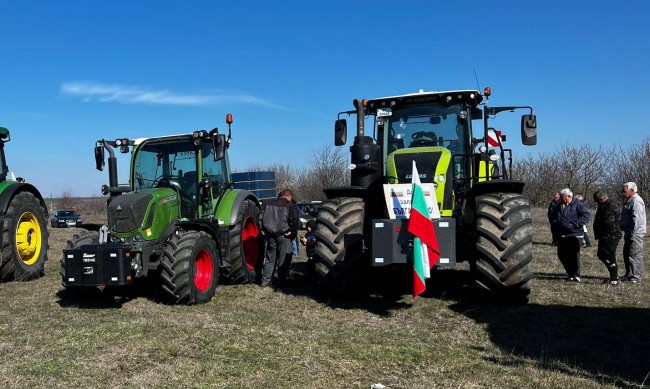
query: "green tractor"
23, 217
484, 218
179, 220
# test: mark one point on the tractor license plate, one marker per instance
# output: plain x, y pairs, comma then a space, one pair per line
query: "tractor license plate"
383, 112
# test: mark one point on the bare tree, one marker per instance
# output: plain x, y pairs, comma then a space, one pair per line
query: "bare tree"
66, 199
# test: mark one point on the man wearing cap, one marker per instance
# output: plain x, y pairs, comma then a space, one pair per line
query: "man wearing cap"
567, 221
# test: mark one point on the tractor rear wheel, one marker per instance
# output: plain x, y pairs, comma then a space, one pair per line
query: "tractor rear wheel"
189, 268
24, 239
504, 246
339, 241
245, 248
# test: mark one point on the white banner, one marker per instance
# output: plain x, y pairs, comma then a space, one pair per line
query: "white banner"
398, 200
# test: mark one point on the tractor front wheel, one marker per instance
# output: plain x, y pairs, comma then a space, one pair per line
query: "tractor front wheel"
245, 248
504, 246
189, 268
339, 242
24, 239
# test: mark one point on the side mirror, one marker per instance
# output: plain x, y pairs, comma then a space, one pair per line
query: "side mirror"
340, 132
219, 147
529, 130
99, 158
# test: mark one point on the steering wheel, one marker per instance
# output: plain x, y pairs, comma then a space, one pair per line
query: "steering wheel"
165, 182
424, 138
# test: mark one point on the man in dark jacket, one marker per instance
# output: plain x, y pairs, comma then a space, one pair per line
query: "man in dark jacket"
280, 222
606, 231
557, 199
567, 221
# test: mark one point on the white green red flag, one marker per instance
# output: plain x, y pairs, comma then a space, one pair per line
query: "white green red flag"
425, 244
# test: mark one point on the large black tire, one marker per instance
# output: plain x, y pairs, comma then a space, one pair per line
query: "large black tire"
78, 240
245, 247
504, 246
24, 239
339, 251
190, 269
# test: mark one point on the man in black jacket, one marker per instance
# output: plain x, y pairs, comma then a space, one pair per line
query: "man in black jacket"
567, 221
607, 233
280, 222
557, 199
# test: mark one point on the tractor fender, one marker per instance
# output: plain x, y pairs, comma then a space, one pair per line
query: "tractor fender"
229, 204
496, 186
346, 191
9, 189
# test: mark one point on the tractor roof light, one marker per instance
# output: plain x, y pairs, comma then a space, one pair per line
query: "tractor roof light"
124, 149
121, 142
229, 119
487, 91
494, 157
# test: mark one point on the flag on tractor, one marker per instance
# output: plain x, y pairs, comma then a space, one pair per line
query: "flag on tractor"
425, 244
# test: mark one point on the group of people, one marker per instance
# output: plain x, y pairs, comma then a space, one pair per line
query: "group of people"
280, 222
569, 216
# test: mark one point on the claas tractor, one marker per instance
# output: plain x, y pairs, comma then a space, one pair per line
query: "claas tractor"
178, 220
23, 218
484, 218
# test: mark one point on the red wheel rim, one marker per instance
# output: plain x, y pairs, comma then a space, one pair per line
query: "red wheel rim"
250, 243
203, 270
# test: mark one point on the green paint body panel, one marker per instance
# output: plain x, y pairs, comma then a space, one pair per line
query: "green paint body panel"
441, 169
224, 206
164, 210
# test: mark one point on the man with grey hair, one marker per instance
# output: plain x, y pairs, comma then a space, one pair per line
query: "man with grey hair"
567, 221
633, 225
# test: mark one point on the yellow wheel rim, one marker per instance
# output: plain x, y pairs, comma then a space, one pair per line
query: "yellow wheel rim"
28, 238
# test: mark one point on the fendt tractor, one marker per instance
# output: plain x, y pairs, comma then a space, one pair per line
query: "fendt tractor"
23, 218
178, 220
484, 218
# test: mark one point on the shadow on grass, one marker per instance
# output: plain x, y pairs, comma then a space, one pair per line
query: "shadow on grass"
380, 293
109, 298
609, 343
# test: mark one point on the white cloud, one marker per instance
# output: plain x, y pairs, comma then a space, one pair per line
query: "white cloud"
129, 94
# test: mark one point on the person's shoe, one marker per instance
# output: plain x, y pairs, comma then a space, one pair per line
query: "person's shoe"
611, 282
570, 279
635, 281
576, 279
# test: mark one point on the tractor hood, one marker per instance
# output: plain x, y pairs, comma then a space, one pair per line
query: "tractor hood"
149, 211
434, 166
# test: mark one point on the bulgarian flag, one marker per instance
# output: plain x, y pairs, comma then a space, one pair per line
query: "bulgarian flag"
425, 244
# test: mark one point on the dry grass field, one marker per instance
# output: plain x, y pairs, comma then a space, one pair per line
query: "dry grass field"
570, 335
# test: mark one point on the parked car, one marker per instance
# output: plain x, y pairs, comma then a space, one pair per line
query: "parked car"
308, 212
66, 218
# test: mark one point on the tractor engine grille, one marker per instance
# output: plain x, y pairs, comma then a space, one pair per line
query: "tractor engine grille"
126, 212
426, 162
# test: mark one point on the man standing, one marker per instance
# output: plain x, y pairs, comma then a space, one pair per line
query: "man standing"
607, 233
557, 199
280, 222
633, 225
567, 220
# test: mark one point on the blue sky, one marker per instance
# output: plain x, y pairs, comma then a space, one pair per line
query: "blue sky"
73, 72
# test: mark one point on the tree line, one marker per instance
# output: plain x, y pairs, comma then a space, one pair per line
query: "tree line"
584, 169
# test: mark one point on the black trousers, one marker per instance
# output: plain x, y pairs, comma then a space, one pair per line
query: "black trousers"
568, 251
607, 255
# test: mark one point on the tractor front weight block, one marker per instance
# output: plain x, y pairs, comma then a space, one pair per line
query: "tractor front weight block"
98, 265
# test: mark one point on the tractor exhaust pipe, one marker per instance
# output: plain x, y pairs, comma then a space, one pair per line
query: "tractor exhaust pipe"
360, 117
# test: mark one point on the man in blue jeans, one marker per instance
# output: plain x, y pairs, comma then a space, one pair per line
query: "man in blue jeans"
567, 221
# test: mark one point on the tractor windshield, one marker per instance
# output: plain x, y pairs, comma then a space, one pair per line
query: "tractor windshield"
173, 162
425, 125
